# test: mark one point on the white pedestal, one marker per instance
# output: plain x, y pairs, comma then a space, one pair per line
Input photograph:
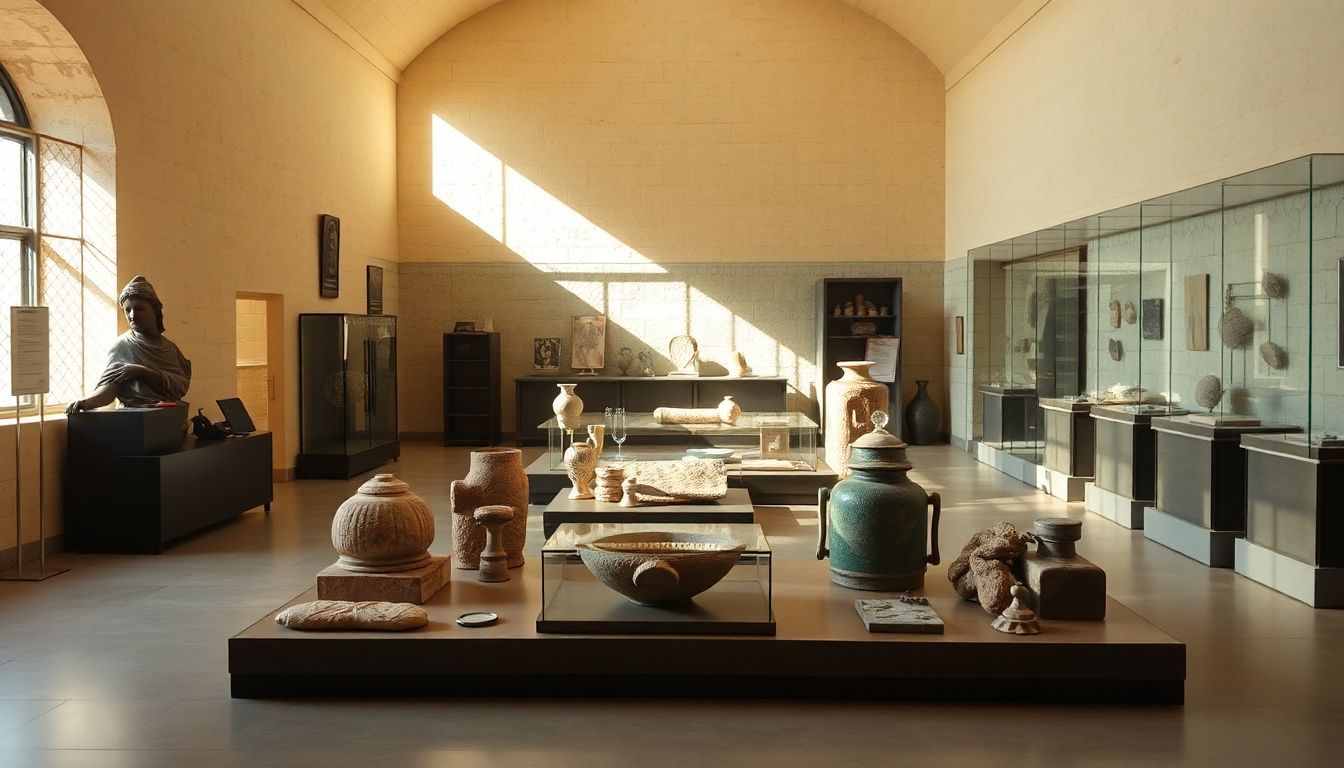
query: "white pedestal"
1315, 586
1121, 510
1212, 548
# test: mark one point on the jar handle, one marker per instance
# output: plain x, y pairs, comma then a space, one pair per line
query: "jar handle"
823, 496
937, 502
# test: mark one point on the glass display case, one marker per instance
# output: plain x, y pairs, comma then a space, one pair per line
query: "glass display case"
757, 442
347, 394
574, 601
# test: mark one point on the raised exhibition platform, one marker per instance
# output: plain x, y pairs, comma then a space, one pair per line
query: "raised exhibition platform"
790, 486
820, 650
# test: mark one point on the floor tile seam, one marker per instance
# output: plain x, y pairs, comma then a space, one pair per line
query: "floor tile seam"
25, 723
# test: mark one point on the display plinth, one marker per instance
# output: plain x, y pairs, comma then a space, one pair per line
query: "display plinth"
795, 486
736, 507
1114, 507
1070, 445
820, 650
1009, 414
413, 586
1201, 482
1295, 533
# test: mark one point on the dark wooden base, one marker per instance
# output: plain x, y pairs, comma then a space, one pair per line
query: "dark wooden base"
820, 650
343, 466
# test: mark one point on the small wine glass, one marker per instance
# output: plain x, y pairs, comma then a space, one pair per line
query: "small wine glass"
618, 434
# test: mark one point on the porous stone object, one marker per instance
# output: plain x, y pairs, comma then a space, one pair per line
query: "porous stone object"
383, 528
414, 586
983, 571
494, 561
1017, 618
1235, 328
851, 401
1114, 309
671, 482
1274, 286
609, 479
494, 476
1129, 314
1209, 391
660, 568
684, 352
862, 328
581, 462
625, 357
1117, 349
1275, 357
345, 614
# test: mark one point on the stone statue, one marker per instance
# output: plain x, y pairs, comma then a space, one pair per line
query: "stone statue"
143, 366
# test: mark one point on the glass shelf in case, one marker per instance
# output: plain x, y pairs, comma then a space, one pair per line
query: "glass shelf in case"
760, 441
574, 601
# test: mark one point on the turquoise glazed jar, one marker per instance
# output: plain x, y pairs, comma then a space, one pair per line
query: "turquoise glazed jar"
874, 524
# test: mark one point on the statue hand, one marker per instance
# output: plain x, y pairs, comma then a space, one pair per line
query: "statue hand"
74, 407
132, 371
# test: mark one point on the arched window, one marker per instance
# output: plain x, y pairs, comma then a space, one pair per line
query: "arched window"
41, 238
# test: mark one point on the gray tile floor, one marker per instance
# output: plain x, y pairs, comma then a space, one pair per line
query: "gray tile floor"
122, 662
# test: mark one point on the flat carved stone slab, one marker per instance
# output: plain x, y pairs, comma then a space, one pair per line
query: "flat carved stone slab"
669, 482
343, 614
896, 616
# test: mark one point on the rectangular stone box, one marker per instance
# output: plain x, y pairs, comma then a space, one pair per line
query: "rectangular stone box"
1065, 589
415, 586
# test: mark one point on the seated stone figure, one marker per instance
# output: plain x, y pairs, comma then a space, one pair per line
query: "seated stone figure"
143, 366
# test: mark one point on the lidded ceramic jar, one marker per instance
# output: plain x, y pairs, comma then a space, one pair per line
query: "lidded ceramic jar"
873, 524
383, 528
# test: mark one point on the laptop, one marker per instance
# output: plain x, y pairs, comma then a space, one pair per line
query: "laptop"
235, 415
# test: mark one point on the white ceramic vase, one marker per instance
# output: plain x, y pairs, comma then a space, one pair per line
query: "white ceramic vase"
568, 407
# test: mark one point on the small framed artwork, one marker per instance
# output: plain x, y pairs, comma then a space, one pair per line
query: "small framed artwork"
329, 256
545, 354
588, 342
464, 327
961, 334
1151, 318
373, 279
775, 440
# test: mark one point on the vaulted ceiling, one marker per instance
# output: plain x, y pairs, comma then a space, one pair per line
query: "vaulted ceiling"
946, 31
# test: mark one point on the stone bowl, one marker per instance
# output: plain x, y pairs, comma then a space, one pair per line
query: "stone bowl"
658, 568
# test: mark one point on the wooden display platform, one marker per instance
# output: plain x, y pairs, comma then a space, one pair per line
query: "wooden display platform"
821, 650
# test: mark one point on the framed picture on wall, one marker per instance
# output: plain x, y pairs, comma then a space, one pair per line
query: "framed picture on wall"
588, 342
329, 256
546, 354
374, 283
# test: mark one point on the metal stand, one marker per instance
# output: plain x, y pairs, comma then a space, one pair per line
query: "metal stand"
42, 572
587, 372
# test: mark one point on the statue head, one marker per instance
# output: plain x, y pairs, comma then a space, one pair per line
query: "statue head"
140, 288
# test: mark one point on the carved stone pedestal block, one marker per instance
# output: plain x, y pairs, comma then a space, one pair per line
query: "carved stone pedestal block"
416, 586
1065, 588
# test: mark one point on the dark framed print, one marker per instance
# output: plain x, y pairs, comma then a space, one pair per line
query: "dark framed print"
462, 326
329, 256
373, 279
546, 354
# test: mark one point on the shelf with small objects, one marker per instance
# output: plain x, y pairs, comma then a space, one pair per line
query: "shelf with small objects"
858, 319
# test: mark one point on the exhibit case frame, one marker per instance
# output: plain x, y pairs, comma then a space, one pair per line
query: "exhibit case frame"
794, 436
573, 601
347, 394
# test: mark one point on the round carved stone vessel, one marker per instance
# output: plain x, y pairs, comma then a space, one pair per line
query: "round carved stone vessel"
383, 528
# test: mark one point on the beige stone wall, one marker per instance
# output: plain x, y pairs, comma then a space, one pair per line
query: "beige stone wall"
768, 312
1091, 105
238, 122
617, 133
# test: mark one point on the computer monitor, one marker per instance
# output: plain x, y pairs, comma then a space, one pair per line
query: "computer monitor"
235, 415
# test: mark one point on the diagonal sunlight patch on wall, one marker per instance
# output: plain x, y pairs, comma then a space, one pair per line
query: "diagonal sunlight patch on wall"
519, 214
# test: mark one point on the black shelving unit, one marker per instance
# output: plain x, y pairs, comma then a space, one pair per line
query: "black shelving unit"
837, 342
471, 388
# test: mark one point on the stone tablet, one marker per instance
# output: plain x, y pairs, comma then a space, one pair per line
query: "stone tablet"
898, 616
343, 614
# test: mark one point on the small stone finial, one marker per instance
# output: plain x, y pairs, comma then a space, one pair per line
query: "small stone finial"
628, 499
494, 560
1017, 618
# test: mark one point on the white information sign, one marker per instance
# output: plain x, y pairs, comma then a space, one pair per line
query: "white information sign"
29, 351
883, 351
